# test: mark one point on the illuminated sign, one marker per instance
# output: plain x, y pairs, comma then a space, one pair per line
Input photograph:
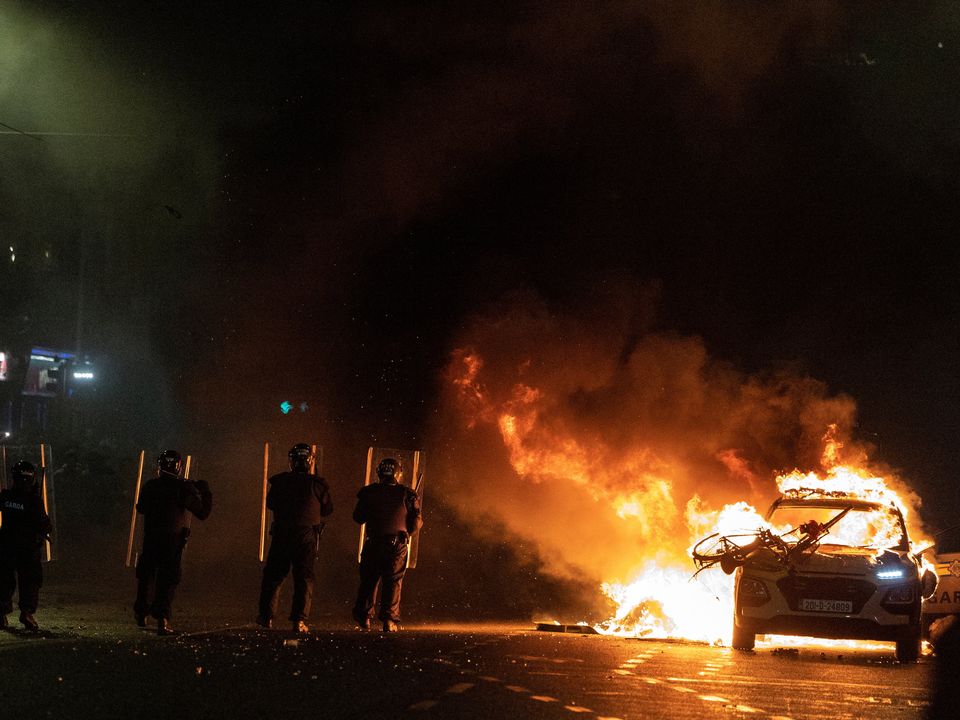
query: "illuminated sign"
287, 407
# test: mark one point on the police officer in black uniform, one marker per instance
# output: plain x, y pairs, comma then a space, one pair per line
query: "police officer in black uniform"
391, 512
165, 502
25, 528
298, 499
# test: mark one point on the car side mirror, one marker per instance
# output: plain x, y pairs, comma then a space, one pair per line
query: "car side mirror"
928, 583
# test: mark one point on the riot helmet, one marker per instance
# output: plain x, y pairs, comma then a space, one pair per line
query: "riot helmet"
170, 462
389, 471
24, 474
301, 457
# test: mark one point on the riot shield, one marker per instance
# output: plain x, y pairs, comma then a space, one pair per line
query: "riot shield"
190, 466
275, 463
135, 538
49, 499
416, 482
42, 457
412, 462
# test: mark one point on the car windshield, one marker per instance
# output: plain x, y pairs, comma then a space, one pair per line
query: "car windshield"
861, 527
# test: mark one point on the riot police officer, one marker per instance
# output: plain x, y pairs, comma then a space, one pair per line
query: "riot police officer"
25, 528
165, 502
391, 513
298, 499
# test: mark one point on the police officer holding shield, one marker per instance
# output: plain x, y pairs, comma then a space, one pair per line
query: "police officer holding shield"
391, 512
25, 528
299, 500
166, 502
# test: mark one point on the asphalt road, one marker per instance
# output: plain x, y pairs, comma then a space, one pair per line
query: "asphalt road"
91, 662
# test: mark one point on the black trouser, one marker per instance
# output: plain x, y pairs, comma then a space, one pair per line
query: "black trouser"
946, 694
158, 569
294, 547
382, 562
20, 563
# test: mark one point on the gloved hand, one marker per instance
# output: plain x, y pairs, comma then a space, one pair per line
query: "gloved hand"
188, 496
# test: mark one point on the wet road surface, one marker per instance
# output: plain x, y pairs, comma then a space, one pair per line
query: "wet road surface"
108, 669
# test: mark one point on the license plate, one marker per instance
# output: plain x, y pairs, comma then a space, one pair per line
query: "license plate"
832, 606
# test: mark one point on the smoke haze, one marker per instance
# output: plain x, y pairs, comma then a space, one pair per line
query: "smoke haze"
587, 432
330, 205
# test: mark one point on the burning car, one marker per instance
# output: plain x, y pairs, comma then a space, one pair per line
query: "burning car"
828, 565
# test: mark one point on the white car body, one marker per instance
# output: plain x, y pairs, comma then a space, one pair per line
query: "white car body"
946, 600
833, 590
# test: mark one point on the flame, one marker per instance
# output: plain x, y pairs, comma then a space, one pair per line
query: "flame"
541, 451
663, 602
657, 604
831, 447
470, 391
658, 599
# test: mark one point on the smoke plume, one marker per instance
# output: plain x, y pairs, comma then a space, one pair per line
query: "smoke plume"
589, 432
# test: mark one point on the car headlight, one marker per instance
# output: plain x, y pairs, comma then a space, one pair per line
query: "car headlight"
890, 574
752, 592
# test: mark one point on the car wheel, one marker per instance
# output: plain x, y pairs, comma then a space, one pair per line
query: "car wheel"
743, 639
908, 644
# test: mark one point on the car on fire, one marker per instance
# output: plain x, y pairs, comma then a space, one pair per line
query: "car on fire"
848, 572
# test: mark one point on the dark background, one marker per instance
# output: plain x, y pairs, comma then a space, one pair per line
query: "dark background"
311, 201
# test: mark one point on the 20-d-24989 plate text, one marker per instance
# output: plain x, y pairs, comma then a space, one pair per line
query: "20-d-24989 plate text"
834, 606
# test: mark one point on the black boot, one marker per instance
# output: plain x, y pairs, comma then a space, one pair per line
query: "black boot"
26, 619
363, 622
141, 620
264, 621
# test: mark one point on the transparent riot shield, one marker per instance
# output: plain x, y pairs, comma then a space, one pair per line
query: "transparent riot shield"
135, 537
412, 463
190, 469
275, 461
48, 494
42, 458
418, 468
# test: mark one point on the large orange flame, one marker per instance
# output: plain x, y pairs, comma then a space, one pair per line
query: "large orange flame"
658, 598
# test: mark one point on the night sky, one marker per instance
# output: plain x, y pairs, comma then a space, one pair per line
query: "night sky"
312, 201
